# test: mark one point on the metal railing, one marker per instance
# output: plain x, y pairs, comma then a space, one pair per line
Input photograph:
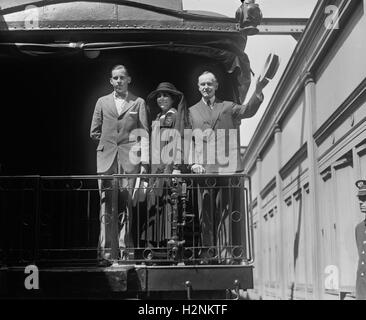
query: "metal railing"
190, 219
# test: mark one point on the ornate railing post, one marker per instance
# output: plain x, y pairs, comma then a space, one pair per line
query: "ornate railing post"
114, 220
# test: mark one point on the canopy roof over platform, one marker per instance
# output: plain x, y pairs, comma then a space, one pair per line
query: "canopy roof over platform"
64, 26
111, 14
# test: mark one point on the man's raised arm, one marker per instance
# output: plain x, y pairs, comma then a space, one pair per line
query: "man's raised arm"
250, 109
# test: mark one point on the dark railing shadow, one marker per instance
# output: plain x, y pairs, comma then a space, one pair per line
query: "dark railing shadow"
56, 220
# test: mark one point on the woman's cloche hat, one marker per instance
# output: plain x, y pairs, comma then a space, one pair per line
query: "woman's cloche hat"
164, 87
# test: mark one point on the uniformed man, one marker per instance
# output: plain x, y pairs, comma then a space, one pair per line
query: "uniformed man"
361, 244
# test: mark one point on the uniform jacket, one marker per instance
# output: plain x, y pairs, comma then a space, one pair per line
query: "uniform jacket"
112, 132
361, 271
223, 135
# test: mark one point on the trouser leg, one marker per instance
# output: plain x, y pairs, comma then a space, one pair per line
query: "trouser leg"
126, 213
105, 214
215, 208
223, 217
205, 210
105, 218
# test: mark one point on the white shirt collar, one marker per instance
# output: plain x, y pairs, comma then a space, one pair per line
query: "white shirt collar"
118, 97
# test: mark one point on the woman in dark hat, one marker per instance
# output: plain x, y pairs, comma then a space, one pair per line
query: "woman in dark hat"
170, 108
167, 156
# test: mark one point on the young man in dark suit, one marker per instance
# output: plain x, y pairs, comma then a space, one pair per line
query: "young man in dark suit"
116, 115
216, 132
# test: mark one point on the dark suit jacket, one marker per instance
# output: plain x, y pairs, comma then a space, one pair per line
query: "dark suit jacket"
361, 271
112, 132
224, 116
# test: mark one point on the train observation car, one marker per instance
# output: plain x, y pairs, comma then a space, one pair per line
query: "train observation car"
55, 62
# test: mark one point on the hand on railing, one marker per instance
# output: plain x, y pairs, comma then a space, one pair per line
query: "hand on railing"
197, 168
143, 170
176, 180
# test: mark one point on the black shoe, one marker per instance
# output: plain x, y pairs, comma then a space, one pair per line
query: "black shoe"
204, 256
204, 262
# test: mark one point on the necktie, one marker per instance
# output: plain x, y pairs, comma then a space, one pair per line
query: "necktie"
209, 103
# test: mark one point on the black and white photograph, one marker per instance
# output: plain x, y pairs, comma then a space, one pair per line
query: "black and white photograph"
193, 151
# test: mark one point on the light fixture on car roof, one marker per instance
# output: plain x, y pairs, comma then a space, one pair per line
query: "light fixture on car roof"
249, 16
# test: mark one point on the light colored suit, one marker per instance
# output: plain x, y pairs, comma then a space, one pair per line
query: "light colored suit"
112, 132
